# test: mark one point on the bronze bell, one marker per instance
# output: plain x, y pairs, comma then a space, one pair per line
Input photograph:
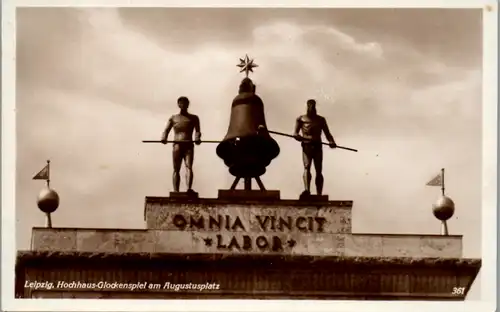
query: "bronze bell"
246, 149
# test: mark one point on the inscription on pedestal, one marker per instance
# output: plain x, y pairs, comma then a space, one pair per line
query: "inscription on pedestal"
250, 217
238, 227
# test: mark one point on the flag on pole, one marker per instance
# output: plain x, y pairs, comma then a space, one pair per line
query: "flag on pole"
436, 181
43, 174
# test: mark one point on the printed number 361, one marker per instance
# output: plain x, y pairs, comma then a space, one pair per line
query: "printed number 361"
458, 291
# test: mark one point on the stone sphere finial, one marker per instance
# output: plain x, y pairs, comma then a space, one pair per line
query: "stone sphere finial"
48, 200
444, 208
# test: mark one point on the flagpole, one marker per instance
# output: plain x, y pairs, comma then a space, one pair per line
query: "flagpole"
442, 181
444, 228
48, 174
48, 199
49, 220
49, 216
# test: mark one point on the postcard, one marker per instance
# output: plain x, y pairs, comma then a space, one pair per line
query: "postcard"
252, 156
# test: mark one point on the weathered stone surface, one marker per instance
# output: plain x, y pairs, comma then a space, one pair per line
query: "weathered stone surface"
421, 246
178, 242
50, 239
95, 240
383, 245
116, 241
51, 257
155, 208
354, 245
135, 241
451, 245
297, 257
363, 245
249, 276
254, 218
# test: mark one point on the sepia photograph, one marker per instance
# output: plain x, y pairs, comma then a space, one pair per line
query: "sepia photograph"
303, 154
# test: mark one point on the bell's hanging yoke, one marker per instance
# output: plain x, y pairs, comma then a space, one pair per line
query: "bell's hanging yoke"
246, 150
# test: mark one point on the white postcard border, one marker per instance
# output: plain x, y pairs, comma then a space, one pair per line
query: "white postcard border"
490, 158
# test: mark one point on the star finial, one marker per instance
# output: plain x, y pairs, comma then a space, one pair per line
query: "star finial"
247, 65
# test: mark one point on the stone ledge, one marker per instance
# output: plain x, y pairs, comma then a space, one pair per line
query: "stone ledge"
373, 245
272, 203
75, 229
248, 277
185, 242
38, 257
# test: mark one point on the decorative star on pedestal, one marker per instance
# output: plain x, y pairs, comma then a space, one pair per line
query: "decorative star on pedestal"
208, 241
247, 65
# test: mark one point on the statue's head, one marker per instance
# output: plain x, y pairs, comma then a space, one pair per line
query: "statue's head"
311, 107
183, 103
247, 85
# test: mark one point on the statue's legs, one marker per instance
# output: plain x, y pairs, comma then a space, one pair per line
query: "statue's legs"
177, 162
318, 166
307, 160
188, 161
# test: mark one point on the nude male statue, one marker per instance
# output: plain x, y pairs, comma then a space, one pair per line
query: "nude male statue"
312, 125
184, 124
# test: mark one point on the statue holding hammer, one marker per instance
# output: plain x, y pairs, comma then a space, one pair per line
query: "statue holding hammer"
183, 124
312, 126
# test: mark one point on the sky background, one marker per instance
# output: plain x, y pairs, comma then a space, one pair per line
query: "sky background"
401, 85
